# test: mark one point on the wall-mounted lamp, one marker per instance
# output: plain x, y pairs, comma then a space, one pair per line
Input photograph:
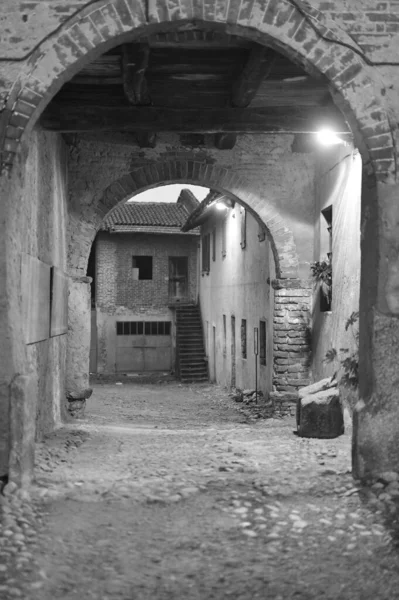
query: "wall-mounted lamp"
221, 206
328, 137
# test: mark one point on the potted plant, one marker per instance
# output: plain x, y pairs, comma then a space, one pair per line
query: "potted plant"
322, 275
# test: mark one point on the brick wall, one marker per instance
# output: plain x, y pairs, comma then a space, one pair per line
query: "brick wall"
115, 286
292, 344
263, 170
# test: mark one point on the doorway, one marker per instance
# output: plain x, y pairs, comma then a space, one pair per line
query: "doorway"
178, 278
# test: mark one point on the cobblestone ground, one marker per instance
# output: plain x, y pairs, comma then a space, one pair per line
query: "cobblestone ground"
168, 492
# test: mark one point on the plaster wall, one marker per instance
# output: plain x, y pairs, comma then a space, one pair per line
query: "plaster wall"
120, 298
338, 184
238, 285
32, 376
280, 177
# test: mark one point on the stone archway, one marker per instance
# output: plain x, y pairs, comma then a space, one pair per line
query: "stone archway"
222, 179
303, 34
298, 31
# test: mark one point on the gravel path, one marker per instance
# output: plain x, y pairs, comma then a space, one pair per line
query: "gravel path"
169, 492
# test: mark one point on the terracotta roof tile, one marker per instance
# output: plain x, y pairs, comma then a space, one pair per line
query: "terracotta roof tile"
150, 214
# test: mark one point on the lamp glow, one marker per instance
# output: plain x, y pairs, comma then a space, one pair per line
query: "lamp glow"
327, 137
220, 206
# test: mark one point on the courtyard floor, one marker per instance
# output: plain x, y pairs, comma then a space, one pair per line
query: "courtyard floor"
167, 491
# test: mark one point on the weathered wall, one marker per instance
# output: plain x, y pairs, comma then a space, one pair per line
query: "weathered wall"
120, 298
34, 222
339, 175
237, 285
281, 178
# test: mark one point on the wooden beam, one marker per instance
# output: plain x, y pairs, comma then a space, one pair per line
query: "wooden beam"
135, 59
257, 68
194, 120
225, 141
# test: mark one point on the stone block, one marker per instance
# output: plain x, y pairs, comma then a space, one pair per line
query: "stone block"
319, 386
320, 415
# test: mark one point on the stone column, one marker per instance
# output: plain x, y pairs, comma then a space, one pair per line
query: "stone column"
376, 415
291, 341
78, 349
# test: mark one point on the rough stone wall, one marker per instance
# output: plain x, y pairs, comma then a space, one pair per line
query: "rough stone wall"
33, 221
115, 287
292, 342
272, 171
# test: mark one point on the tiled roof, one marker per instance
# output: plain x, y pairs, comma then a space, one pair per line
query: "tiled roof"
150, 214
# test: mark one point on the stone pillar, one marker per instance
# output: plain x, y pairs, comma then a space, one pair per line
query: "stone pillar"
376, 415
78, 349
291, 341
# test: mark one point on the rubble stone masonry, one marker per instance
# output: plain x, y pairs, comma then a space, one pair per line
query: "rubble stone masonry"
292, 338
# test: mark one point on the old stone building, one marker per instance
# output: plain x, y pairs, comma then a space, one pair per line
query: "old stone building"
235, 295
144, 267
101, 100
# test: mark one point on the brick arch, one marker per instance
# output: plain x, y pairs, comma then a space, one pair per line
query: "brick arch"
221, 179
277, 23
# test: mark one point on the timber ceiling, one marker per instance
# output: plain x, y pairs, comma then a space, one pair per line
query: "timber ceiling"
192, 82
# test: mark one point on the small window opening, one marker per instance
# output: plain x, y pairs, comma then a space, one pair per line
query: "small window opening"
326, 284
214, 244
142, 267
244, 338
206, 253
262, 342
224, 336
243, 215
224, 228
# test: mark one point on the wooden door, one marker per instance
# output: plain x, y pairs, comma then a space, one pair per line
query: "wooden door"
178, 278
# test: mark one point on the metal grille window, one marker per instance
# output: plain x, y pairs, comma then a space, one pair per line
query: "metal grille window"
143, 327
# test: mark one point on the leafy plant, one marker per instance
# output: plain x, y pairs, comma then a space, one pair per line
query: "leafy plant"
322, 274
349, 361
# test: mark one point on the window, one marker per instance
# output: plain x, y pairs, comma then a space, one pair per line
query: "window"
224, 227
261, 233
326, 246
143, 327
142, 267
262, 342
224, 335
206, 253
214, 244
327, 214
244, 338
243, 216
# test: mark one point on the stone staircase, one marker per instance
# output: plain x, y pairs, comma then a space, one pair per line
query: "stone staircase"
192, 365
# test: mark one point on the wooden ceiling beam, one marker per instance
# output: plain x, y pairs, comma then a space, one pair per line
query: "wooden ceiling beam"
191, 120
135, 60
257, 68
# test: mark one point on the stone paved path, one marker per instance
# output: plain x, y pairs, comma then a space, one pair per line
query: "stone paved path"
169, 492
